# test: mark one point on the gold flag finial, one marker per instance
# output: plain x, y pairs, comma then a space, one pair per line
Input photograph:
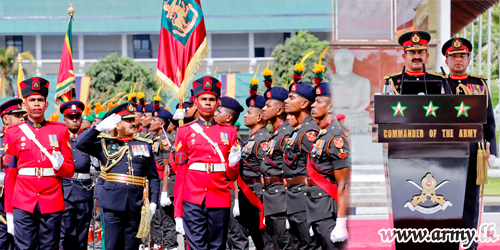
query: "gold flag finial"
19, 58
71, 10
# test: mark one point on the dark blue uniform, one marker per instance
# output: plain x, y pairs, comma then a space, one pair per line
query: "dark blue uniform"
78, 200
121, 202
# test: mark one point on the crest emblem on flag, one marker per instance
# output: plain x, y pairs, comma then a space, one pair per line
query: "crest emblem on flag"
182, 17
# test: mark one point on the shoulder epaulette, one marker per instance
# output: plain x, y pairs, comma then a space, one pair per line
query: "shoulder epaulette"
392, 75
106, 136
434, 73
148, 141
479, 76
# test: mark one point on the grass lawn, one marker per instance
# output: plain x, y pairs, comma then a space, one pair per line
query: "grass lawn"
493, 187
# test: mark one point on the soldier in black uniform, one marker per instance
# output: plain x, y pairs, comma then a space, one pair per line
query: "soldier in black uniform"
146, 119
457, 51
415, 44
271, 168
163, 223
328, 175
228, 113
128, 163
298, 104
11, 112
77, 191
250, 187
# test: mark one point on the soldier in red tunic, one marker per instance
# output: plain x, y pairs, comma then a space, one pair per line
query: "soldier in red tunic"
206, 161
37, 155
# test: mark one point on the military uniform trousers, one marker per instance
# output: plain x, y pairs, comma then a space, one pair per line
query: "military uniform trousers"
274, 197
163, 226
472, 207
299, 227
6, 239
121, 228
206, 228
250, 217
237, 237
33, 231
75, 225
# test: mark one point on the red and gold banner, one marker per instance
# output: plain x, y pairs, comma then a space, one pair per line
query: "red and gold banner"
183, 45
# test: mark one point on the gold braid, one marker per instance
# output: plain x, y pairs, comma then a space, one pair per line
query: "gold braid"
485, 89
391, 83
114, 158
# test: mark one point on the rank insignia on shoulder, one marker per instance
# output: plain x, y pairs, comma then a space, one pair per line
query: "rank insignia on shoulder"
342, 153
252, 137
339, 143
300, 126
178, 146
311, 136
275, 132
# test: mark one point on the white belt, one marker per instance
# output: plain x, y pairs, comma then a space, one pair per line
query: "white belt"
208, 167
37, 171
81, 176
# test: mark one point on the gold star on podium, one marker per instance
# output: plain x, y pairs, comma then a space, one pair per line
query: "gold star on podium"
431, 110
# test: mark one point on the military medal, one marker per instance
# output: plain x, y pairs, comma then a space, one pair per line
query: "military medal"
53, 141
193, 135
224, 138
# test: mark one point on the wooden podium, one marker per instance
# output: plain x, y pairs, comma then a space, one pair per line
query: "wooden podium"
426, 158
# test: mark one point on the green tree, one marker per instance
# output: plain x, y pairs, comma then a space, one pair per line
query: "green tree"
286, 55
9, 67
119, 74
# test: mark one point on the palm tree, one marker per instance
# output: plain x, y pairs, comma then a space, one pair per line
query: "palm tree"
9, 66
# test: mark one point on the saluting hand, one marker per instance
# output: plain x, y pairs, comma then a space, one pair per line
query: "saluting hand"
109, 123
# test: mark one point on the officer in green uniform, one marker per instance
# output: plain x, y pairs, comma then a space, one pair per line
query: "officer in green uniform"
415, 44
146, 120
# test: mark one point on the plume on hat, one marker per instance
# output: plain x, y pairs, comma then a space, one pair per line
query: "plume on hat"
319, 70
268, 75
157, 100
254, 83
299, 68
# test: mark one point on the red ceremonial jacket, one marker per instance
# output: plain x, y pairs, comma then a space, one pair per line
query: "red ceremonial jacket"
24, 192
195, 186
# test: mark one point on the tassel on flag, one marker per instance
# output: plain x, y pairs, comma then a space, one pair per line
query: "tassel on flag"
183, 45
65, 89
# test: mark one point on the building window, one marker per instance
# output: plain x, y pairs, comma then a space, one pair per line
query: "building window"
285, 36
260, 52
142, 46
16, 41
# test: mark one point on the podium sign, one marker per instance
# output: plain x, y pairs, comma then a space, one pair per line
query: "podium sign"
427, 157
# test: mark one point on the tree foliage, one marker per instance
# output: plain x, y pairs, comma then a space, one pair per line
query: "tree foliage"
119, 74
286, 55
9, 67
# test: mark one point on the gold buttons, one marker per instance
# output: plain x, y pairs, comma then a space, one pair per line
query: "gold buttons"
206, 189
38, 161
320, 194
299, 189
305, 194
38, 177
276, 190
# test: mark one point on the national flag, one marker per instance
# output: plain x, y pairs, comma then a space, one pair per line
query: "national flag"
228, 85
65, 89
183, 45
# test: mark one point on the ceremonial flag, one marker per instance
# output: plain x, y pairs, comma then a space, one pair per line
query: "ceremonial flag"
20, 78
183, 45
65, 89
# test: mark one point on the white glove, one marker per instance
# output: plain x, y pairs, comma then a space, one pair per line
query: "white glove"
164, 200
311, 232
339, 233
57, 160
492, 160
236, 209
179, 227
234, 156
10, 223
109, 123
152, 207
287, 224
179, 114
